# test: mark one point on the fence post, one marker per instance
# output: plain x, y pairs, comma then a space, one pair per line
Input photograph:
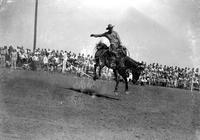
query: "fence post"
191, 84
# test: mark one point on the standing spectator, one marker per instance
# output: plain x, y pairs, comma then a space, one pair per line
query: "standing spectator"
79, 57
45, 62
86, 64
91, 65
14, 58
48, 51
65, 58
3, 56
34, 62
57, 61
7, 57
10, 50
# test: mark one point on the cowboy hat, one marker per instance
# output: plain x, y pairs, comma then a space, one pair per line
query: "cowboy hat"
110, 26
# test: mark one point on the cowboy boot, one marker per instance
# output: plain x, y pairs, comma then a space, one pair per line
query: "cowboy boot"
112, 62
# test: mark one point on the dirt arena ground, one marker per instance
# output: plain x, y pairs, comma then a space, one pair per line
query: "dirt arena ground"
37, 106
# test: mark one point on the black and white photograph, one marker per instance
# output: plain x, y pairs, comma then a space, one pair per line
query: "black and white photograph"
99, 69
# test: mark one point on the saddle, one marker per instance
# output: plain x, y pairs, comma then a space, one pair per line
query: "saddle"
122, 50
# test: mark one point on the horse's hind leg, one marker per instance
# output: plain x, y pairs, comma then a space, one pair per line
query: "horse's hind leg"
126, 83
117, 81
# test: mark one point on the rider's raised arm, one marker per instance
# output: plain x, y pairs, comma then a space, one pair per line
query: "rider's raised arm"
98, 35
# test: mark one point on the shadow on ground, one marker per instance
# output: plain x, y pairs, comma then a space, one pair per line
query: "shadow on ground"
91, 92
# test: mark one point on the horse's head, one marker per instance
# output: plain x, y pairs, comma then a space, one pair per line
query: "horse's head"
101, 45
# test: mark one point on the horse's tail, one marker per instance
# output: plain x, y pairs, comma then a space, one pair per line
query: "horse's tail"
135, 67
132, 63
136, 74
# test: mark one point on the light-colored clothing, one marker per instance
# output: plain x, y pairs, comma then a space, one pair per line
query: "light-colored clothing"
45, 60
56, 60
14, 55
65, 57
4, 52
113, 38
14, 59
35, 58
64, 65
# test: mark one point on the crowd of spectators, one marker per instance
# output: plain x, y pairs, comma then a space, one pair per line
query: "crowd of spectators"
48, 60
81, 64
170, 76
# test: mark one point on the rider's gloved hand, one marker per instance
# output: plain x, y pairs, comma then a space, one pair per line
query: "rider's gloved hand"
92, 35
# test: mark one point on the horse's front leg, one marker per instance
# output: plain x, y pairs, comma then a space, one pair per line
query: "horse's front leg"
100, 68
95, 74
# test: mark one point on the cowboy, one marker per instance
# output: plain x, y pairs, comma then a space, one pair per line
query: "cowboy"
114, 39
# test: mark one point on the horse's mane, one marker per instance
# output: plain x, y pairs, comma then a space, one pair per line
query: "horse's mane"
101, 45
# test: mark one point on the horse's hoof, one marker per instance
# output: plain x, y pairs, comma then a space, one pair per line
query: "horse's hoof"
95, 78
93, 96
116, 93
127, 92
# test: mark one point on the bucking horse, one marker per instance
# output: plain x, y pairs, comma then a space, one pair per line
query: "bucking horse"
105, 57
